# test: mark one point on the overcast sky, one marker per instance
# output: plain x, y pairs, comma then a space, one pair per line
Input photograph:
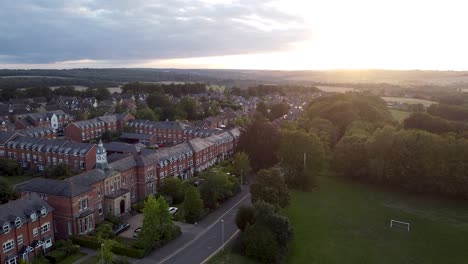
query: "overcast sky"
284, 34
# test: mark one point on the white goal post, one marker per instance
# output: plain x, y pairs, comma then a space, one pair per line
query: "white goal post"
395, 223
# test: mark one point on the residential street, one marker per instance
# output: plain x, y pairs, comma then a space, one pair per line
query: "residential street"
199, 241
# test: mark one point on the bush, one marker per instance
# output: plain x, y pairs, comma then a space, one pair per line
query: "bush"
138, 207
117, 248
57, 255
67, 246
122, 260
114, 220
260, 244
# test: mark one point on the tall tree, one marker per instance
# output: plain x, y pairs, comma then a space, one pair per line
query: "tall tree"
241, 166
192, 205
270, 187
6, 191
260, 141
173, 187
157, 222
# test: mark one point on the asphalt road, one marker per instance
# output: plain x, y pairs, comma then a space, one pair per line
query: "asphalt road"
201, 240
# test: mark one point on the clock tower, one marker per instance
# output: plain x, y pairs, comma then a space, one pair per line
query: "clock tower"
101, 157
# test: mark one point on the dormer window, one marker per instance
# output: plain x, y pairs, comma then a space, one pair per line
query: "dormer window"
43, 211
6, 228
18, 222
33, 217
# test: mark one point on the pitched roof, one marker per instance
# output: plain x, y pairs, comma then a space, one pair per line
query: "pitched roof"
136, 136
22, 208
116, 146
5, 136
53, 187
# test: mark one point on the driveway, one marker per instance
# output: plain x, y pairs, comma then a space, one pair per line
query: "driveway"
137, 221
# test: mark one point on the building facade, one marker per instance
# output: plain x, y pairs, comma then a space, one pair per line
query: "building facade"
26, 229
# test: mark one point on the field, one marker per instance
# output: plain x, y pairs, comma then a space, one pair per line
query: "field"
426, 103
399, 115
334, 89
343, 222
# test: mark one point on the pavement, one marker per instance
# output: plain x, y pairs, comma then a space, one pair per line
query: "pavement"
201, 240
198, 241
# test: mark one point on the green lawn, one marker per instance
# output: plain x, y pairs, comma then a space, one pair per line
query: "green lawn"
71, 259
343, 222
399, 115
426, 103
231, 254
16, 179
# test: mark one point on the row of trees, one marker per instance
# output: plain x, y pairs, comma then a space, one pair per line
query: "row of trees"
265, 232
273, 111
174, 89
99, 93
263, 90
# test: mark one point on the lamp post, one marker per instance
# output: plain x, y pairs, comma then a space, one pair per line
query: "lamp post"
222, 233
102, 253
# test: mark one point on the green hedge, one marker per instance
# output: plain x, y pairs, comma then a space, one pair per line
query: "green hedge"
118, 248
58, 255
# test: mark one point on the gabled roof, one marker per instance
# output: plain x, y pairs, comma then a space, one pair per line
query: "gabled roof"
22, 208
136, 136
115, 146
53, 187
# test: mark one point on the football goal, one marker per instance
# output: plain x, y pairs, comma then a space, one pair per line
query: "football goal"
400, 224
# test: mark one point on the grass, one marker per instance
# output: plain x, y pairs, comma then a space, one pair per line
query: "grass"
231, 254
426, 103
72, 258
16, 179
344, 222
399, 115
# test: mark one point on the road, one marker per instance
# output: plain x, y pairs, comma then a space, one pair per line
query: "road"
200, 241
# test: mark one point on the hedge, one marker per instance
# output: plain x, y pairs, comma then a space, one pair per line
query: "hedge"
118, 248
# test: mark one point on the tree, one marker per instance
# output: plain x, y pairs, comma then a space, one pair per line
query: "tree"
6, 191
302, 157
216, 187
158, 100
260, 244
262, 108
173, 187
278, 110
157, 222
105, 253
241, 165
193, 205
260, 141
245, 216
270, 187
190, 107
147, 114
60, 171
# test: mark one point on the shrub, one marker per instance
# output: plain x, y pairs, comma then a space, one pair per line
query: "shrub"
67, 246
117, 248
114, 220
57, 255
260, 244
138, 207
122, 260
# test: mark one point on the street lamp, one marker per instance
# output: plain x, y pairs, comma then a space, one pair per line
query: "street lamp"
222, 233
102, 253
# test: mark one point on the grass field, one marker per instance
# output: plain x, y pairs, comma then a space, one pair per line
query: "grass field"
16, 179
399, 115
343, 222
426, 103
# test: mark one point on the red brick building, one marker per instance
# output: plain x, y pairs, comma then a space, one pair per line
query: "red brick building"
26, 229
111, 188
87, 130
39, 154
51, 119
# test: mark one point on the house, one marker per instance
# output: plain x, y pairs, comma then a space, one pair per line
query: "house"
40, 132
121, 148
133, 138
53, 119
94, 128
110, 189
39, 154
27, 228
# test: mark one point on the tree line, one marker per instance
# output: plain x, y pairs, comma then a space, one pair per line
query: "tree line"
173, 89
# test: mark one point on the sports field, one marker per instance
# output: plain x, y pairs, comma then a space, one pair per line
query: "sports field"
344, 222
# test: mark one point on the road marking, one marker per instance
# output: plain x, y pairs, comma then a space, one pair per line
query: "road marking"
221, 247
203, 232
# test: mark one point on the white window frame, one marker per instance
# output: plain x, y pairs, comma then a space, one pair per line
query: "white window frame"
6, 228
43, 211
18, 222
33, 217
19, 240
45, 228
35, 232
8, 245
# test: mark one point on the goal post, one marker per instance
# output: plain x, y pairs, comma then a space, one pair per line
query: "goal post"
400, 224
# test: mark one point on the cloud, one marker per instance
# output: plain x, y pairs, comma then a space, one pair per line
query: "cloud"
38, 32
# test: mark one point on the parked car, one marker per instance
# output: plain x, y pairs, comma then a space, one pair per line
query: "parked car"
197, 182
173, 210
121, 228
136, 232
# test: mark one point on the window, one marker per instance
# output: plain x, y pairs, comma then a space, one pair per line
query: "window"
83, 203
19, 240
45, 228
85, 224
124, 180
9, 245
132, 192
100, 208
18, 222
44, 210
40, 167
48, 243
33, 217
2, 153
99, 190
82, 165
6, 228
35, 232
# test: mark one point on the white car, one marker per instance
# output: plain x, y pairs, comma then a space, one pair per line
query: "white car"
173, 210
136, 232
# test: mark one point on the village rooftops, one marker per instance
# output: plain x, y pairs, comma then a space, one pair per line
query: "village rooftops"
22, 209
50, 145
89, 123
136, 136
168, 125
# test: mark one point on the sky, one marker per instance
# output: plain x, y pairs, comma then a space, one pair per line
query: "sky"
235, 34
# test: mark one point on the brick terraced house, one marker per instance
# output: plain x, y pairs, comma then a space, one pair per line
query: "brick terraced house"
86, 130
39, 154
170, 132
26, 229
83, 200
